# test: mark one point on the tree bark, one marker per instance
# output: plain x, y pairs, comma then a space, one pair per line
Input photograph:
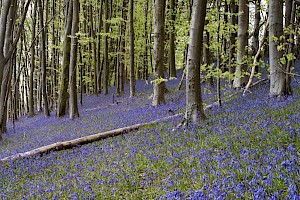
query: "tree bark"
32, 63
63, 91
98, 65
172, 61
233, 36
194, 105
132, 70
73, 105
277, 70
207, 59
241, 78
43, 61
289, 25
105, 56
158, 51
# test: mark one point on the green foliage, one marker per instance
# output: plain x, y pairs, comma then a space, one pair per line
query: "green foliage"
158, 81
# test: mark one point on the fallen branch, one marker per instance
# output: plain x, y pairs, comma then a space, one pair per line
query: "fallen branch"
83, 140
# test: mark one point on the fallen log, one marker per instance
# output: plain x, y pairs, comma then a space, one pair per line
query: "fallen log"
83, 140
58, 146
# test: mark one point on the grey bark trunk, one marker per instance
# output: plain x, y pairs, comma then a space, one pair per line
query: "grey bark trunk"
73, 105
233, 36
43, 61
158, 52
172, 64
194, 105
63, 91
241, 78
105, 56
277, 75
32, 63
132, 70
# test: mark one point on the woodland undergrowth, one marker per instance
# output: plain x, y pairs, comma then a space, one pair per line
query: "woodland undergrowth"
248, 149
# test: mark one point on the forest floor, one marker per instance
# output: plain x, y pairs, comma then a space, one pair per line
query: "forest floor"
247, 149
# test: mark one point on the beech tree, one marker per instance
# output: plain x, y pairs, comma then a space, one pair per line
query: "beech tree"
277, 69
73, 106
132, 71
194, 105
63, 91
32, 62
158, 53
240, 78
43, 61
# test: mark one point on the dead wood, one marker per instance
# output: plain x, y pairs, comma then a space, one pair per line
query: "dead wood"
83, 140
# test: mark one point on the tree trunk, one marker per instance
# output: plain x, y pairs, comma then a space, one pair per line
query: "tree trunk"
63, 91
43, 61
172, 64
289, 24
277, 75
146, 38
255, 38
73, 105
241, 78
233, 36
98, 65
158, 51
207, 59
32, 64
194, 104
105, 56
132, 71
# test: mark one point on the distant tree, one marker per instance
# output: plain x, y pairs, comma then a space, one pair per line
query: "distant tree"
43, 59
233, 35
105, 76
290, 13
9, 37
32, 62
132, 70
158, 53
255, 38
194, 105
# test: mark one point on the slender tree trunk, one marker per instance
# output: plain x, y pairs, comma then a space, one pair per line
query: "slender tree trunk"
158, 51
255, 39
105, 56
43, 61
233, 36
98, 65
63, 91
121, 50
277, 70
194, 104
146, 41
73, 108
132, 71
289, 24
172, 64
32, 63
241, 78
207, 58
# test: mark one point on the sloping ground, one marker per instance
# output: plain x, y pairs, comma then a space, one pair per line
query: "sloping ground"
248, 149
97, 114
